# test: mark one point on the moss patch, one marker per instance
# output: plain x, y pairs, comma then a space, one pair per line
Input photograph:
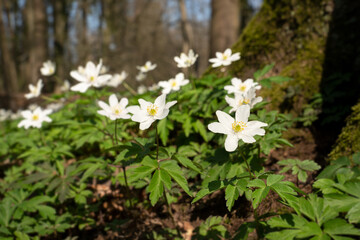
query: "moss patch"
348, 141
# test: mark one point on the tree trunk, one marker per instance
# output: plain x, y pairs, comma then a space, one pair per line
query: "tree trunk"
36, 20
60, 28
8, 65
225, 23
185, 28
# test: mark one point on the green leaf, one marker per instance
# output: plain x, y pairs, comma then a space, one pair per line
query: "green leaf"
46, 211
260, 73
337, 226
200, 128
186, 162
187, 126
258, 195
163, 130
231, 195
165, 178
175, 172
273, 178
140, 173
156, 187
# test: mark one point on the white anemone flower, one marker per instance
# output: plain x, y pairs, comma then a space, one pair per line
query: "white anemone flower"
249, 98
48, 68
147, 67
89, 77
224, 59
239, 86
154, 87
35, 91
174, 84
34, 118
117, 79
184, 60
148, 112
238, 128
5, 114
66, 86
142, 89
140, 77
116, 109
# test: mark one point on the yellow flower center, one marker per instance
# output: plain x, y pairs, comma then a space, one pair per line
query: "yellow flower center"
173, 83
117, 111
242, 88
225, 57
92, 78
244, 101
238, 126
152, 109
35, 117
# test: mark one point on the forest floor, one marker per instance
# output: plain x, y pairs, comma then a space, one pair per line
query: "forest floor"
117, 222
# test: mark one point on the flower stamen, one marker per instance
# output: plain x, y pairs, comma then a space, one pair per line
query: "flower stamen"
35, 117
152, 109
238, 126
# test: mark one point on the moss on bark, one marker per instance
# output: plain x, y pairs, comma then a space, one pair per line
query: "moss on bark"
348, 141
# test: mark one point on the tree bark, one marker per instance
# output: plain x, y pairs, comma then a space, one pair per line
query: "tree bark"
8, 65
186, 29
36, 20
225, 23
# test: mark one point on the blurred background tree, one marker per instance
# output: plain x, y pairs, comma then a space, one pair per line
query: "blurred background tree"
124, 33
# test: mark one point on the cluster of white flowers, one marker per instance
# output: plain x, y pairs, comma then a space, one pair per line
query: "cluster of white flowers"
173, 84
185, 61
145, 114
35, 90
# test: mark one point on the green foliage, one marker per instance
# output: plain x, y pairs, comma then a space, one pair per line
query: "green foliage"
299, 168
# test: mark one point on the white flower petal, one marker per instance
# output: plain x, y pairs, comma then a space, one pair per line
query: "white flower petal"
160, 101
247, 138
146, 124
78, 76
231, 143
80, 87
113, 101
217, 127
144, 104
224, 118
170, 104
104, 106
242, 113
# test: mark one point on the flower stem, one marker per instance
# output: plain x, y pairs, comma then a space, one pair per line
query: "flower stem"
157, 144
171, 213
252, 176
123, 167
131, 90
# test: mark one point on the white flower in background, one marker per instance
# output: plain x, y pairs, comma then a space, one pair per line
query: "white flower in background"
238, 128
224, 59
239, 86
154, 87
35, 91
48, 68
147, 67
117, 79
173, 84
16, 115
66, 86
90, 77
5, 114
148, 112
104, 69
249, 98
115, 109
140, 77
81, 70
34, 118
184, 60
56, 106
33, 106
141, 89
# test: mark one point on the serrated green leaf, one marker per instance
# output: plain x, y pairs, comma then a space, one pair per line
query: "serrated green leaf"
231, 195
258, 195
186, 162
200, 128
260, 73
156, 187
187, 126
337, 226
140, 173
273, 178
165, 178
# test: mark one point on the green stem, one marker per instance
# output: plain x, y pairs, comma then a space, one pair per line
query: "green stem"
123, 168
171, 213
132, 91
252, 176
157, 144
